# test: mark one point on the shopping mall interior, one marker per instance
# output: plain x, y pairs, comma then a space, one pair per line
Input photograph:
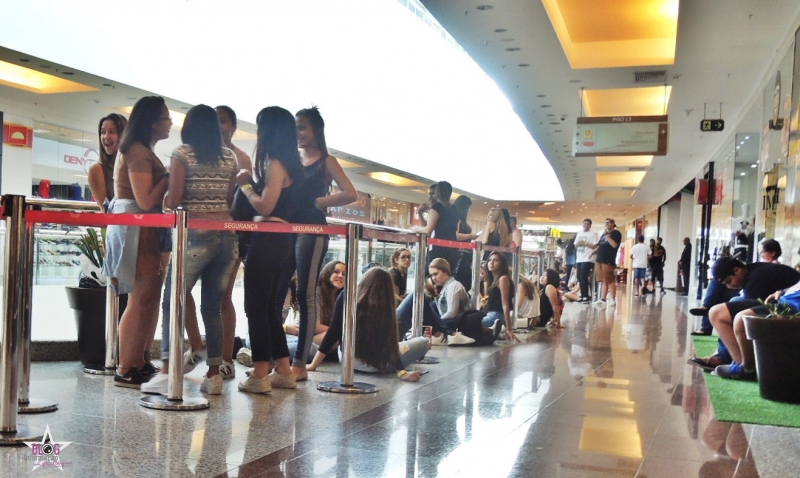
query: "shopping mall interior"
678, 119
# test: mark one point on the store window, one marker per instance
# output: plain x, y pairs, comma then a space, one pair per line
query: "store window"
61, 161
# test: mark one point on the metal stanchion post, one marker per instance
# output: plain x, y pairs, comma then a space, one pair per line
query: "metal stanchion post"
515, 280
112, 328
27, 404
175, 399
10, 432
594, 282
347, 384
476, 276
419, 296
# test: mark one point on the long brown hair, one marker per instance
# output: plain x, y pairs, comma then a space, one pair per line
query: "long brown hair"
376, 320
326, 292
120, 122
529, 287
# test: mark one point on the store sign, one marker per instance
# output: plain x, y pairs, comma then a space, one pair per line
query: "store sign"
712, 125
359, 210
17, 135
621, 136
89, 157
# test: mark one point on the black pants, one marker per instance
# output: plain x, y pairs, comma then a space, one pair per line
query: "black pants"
309, 254
267, 275
585, 270
685, 271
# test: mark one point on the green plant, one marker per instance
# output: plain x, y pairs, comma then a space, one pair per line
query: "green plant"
780, 310
93, 246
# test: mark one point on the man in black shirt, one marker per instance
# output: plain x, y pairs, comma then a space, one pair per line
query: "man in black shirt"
607, 261
657, 261
685, 264
757, 281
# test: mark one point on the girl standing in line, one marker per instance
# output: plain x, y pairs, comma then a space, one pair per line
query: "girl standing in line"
319, 169
101, 173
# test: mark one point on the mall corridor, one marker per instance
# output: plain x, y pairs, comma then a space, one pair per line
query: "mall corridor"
609, 396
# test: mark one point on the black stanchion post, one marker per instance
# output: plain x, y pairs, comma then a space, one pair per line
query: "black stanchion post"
27, 404
476, 275
175, 399
347, 384
12, 433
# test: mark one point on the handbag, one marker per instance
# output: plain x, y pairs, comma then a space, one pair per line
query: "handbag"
241, 209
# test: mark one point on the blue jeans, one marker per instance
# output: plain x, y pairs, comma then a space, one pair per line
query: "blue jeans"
491, 316
717, 293
430, 316
210, 256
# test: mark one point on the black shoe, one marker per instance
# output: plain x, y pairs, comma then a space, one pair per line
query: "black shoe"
132, 379
701, 333
698, 311
149, 369
496, 328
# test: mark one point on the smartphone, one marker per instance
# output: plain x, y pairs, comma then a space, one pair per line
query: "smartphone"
479, 233
422, 372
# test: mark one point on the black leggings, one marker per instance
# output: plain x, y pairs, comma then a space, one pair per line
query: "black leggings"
267, 274
585, 270
310, 252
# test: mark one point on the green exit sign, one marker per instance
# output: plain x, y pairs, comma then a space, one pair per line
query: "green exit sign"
712, 125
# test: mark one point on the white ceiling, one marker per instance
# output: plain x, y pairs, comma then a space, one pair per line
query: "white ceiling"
725, 51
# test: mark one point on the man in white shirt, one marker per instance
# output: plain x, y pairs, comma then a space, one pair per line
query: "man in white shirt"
585, 250
639, 254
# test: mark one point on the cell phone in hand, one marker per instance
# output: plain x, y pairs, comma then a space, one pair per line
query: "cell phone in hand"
422, 372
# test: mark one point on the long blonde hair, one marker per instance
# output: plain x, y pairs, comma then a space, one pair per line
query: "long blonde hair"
501, 227
376, 320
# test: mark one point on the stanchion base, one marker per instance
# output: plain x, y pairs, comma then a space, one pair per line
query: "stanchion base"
160, 402
23, 434
337, 387
36, 405
428, 360
102, 371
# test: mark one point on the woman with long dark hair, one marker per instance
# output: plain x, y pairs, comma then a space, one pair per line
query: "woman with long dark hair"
376, 348
330, 283
500, 296
227, 125
401, 262
550, 303
101, 173
320, 170
463, 270
270, 256
137, 257
202, 181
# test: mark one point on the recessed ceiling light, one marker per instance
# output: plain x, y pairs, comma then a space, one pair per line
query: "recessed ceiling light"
523, 65
753, 165
574, 81
506, 39
513, 49
747, 137
106, 84
738, 147
484, 7
559, 130
742, 142
551, 114
555, 122
500, 30
742, 174
545, 106
24, 60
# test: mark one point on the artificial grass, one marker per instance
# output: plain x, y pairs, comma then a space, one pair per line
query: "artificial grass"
739, 401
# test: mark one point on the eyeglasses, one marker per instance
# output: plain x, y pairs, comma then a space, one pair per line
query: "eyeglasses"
405, 257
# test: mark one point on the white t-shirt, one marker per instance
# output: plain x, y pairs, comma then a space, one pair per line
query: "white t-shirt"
583, 253
639, 253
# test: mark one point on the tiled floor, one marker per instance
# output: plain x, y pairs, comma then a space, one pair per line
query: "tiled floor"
609, 396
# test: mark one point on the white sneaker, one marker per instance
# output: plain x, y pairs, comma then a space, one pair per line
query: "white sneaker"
212, 385
612, 302
281, 381
157, 384
227, 370
460, 339
255, 385
245, 357
600, 302
440, 340
192, 358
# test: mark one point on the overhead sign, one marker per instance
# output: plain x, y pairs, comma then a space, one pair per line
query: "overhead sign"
712, 125
621, 136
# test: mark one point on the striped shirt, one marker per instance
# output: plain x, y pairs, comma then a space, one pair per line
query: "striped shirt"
206, 186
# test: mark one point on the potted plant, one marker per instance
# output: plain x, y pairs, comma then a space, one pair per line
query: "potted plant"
776, 342
88, 300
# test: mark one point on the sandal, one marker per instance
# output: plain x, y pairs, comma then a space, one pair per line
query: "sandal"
708, 363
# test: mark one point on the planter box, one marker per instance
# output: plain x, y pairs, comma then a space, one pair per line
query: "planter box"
777, 345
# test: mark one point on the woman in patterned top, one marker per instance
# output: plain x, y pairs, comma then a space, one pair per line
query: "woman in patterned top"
202, 180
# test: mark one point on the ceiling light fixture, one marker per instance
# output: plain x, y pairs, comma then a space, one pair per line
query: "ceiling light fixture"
515, 48
500, 30
484, 7
34, 81
523, 65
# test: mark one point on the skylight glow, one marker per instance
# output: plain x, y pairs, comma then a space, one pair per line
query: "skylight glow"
391, 88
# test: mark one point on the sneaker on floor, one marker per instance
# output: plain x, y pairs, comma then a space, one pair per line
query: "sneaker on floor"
735, 371
496, 328
212, 385
157, 385
700, 311
663, 292
255, 385
245, 357
600, 302
611, 302
131, 379
708, 363
149, 369
192, 358
701, 333
440, 340
460, 339
227, 370
281, 381
300, 377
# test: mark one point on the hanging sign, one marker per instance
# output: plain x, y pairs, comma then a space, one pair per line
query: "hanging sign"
712, 125
621, 136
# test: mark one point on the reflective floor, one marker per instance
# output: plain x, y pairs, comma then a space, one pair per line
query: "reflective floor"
609, 396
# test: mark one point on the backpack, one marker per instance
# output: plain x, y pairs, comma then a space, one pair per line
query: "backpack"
469, 323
